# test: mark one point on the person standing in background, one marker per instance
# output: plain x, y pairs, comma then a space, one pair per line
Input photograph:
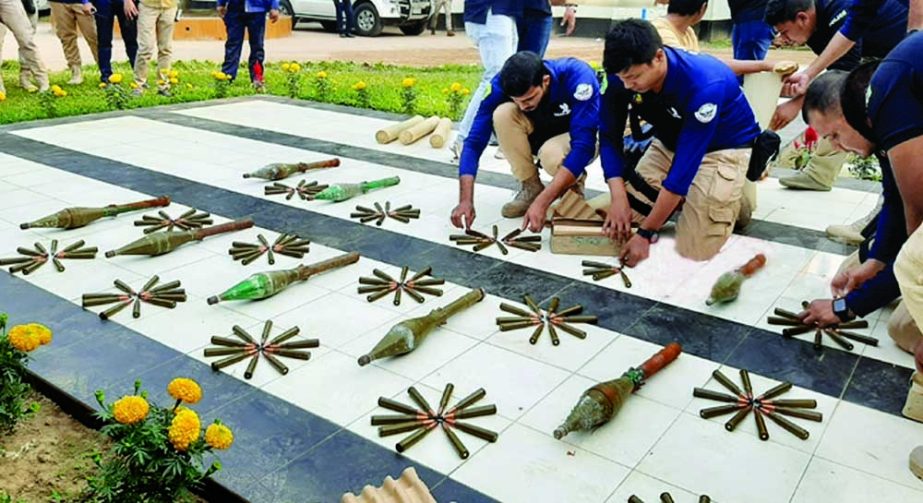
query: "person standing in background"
344, 17
68, 16
156, 20
25, 74
439, 5
534, 27
13, 16
750, 34
250, 15
107, 11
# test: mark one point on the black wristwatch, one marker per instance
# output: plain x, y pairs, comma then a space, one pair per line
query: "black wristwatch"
841, 310
649, 235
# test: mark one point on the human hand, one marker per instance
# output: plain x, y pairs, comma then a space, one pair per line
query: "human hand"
534, 219
273, 15
785, 113
570, 20
796, 84
617, 225
635, 251
131, 10
222, 10
463, 215
819, 312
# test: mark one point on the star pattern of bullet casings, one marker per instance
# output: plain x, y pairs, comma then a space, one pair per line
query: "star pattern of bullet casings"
667, 498
552, 319
378, 215
481, 241
382, 284
289, 245
245, 346
837, 333
425, 419
32, 259
743, 401
166, 295
599, 271
163, 221
305, 190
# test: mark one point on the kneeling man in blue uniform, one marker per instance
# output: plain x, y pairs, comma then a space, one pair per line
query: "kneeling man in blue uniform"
540, 109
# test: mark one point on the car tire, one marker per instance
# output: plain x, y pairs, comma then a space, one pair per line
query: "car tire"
413, 28
285, 8
367, 21
329, 26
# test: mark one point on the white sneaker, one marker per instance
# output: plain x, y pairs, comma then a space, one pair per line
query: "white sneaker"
499, 154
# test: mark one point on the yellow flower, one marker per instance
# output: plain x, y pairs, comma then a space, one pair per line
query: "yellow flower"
102, 85
455, 87
23, 338
285, 67
445, 90
188, 86
184, 429
133, 85
466, 91
218, 436
359, 86
174, 80
130, 409
408, 82
294, 67
56, 88
173, 74
41, 331
321, 74
115, 78
2, 96
185, 389
595, 65
161, 82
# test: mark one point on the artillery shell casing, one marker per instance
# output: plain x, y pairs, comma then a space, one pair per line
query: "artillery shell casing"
220, 364
586, 318
625, 280
73, 246
775, 391
426, 282
535, 334
25, 251
778, 320
786, 314
406, 207
572, 310
397, 406
415, 296
483, 410
276, 364
791, 427
374, 281
375, 296
78, 255
853, 324
397, 296
402, 218
252, 365
29, 269
383, 275
871, 341
136, 309
389, 419
446, 396
502, 320
515, 310
793, 331
810, 415
527, 239
305, 344
112, 311
57, 264
224, 341
456, 442
477, 431
594, 272
241, 244
745, 379
172, 297
797, 403
734, 421
413, 438
525, 246
249, 259
429, 291
704, 499
719, 410
101, 301
555, 340
456, 237
818, 338
470, 241
123, 287
505, 327
398, 428
288, 334
292, 353
169, 304
472, 232
209, 352
714, 395
482, 246
843, 343
239, 332
634, 499
469, 400
418, 398
576, 332
374, 288
421, 273
532, 305
553, 305
598, 265
666, 498
13, 261
94, 296
760, 424
502, 247
20, 267
364, 209
512, 234
150, 283
267, 328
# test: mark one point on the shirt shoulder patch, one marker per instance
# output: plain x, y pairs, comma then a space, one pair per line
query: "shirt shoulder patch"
706, 113
583, 92
840, 15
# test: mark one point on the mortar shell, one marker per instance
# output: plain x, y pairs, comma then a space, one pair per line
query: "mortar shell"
720, 410
760, 424
714, 395
736, 420
397, 406
477, 431
456, 442
789, 426
276, 364
413, 438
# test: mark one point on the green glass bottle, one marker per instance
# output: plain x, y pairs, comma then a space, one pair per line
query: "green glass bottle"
343, 191
278, 171
266, 284
72, 218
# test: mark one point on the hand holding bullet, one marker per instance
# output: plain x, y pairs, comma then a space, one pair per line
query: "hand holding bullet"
837, 332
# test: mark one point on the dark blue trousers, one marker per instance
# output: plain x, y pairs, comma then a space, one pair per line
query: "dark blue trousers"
345, 21
534, 29
236, 20
107, 11
751, 40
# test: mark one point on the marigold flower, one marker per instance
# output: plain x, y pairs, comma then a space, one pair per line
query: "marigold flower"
115, 78
359, 86
130, 409
445, 90
218, 436
466, 91
184, 429
188, 86
102, 85
41, 331
185, 389
2, 96
285, 67
294, 67
173, 74
321, 74
408, 82
455, 87
23, 338
174, 80
133, 85
56, 88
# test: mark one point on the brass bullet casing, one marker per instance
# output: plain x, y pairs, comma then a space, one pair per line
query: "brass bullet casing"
477, 431
456, 443
720, 410
415, 437
760, 424
398, 428
734, 421
791, 427
714, 395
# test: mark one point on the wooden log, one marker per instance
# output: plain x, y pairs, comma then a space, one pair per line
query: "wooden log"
441, 135
418, 131
391, 133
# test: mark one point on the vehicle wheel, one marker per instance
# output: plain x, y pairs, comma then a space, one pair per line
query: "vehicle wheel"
329, 26
413, 28
285, 8
368, 23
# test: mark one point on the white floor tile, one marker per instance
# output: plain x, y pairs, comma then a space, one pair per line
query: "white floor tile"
648, 489
337, 319
826, 481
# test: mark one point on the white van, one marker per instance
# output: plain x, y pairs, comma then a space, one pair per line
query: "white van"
370, 15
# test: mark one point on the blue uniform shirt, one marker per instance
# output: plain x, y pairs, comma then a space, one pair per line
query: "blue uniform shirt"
256, 5
476, 10
543, 6
895, 109
571, 105
876, 26
700, 109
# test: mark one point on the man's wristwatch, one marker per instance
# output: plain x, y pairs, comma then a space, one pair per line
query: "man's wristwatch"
649, 235
841, 310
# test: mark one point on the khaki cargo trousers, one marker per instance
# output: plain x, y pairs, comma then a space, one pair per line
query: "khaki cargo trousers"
513, 130
68, 18
14, 17
909, 272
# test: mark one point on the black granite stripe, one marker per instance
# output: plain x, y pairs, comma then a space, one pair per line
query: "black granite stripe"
879, 385
618, 311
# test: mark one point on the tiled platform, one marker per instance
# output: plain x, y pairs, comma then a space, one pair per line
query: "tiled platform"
306, 436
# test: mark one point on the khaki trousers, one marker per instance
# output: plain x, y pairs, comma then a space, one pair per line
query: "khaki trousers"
155, 26
25, 74
14, 17
712, 205
901, 327
438, 5
513, 130
67, 19
909, 272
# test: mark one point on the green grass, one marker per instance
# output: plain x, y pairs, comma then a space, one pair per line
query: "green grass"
197, 84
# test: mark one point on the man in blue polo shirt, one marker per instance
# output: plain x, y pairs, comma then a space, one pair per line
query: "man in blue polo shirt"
703, 127
547, 109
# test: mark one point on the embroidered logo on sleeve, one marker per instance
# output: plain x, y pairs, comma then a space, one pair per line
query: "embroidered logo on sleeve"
564, 110
583, 92
706, 113
840, 15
